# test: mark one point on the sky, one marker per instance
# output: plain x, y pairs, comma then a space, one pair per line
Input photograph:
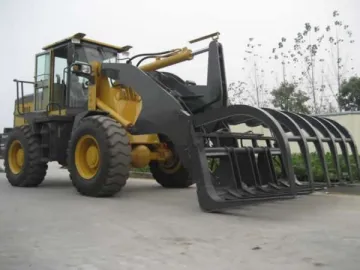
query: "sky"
151, 26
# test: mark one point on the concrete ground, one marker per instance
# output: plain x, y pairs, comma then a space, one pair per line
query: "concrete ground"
148, 227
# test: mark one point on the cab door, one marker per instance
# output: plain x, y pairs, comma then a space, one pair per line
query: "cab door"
42, 81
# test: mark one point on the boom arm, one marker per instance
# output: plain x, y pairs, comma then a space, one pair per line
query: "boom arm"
152, 91
178, 56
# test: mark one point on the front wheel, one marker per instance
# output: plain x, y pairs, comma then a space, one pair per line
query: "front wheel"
171, 174
99, 157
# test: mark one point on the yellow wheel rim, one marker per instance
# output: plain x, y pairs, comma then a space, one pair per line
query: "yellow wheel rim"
87, 157
16, 157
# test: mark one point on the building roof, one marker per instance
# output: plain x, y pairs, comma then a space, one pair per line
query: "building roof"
81, 37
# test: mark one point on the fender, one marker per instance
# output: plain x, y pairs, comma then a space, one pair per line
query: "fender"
84, 114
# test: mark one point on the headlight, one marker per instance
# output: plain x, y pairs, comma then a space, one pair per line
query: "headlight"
81, 68
86, 69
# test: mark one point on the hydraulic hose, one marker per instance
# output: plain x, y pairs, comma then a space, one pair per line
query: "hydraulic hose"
148, 54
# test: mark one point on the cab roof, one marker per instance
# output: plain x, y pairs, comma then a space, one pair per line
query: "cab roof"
81, 37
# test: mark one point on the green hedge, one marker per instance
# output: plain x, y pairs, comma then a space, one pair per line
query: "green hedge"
145, 169
299, 167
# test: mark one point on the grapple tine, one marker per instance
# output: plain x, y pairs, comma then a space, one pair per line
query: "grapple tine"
299, 137
350, 141
316, 139
340, 138
330, 140
251, 169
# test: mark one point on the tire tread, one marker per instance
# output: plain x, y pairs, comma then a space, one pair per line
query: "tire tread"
36, 170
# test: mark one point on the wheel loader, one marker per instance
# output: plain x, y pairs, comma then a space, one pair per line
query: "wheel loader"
100, 115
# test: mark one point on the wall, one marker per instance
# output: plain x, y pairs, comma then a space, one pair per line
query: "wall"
350, 120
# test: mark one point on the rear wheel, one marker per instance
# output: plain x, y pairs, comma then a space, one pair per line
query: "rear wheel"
171, 174
22, 158
99, 157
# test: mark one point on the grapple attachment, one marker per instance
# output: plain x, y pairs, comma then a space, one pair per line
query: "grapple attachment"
231, 168
238, 168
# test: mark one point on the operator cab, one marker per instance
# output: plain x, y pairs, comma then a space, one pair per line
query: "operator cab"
55, 85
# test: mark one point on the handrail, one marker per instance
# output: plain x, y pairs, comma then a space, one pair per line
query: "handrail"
22, 95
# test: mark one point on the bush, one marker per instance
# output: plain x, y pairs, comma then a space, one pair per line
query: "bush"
299, 166
141, 170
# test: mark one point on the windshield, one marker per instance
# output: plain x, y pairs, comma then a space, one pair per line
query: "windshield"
88, 55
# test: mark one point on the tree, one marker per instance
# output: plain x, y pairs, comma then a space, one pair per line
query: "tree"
321, 55
237, 93
283, 54
306, 46
349, 97
254, 74
338, 34
240, 93
302, 54
287, 98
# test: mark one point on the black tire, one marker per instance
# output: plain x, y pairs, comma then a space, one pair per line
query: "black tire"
33, 170
175, 176
115, 157
62, 163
